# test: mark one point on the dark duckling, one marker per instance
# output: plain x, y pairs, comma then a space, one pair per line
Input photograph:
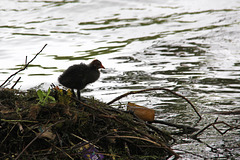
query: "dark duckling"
79, 75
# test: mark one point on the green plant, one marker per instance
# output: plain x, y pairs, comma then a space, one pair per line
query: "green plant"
45, 98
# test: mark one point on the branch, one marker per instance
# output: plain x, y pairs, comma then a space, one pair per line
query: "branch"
186, 129
26, 65
213, 124
153, 89
16, 82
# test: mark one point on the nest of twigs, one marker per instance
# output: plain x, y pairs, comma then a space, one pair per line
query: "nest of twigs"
70, 129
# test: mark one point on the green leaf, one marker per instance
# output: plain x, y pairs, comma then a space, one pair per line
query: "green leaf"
40, 95
51, 98
44, 97
49, 91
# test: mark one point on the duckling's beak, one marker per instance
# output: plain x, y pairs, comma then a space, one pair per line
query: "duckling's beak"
102, 66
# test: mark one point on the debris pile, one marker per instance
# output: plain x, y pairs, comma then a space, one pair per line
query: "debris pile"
53, 125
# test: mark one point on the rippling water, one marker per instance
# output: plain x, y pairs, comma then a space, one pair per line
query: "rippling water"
189, 46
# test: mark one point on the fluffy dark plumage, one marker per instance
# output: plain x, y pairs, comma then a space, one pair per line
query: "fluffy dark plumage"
80, 75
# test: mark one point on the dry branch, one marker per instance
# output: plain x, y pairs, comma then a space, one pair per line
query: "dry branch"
26, 65
16, 82
153, 89
194, 136
186, 129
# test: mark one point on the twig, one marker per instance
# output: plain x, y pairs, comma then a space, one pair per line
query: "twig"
235, 112
16, 82
7, 135
82, 139
60, 149
186, 129
199, 132
26, 65
37, 137
213, 124
18, 120
91, 142
153, 89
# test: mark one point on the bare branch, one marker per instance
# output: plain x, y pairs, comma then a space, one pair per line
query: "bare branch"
16, 82
26, 65
152, 89
213, 124
186, 129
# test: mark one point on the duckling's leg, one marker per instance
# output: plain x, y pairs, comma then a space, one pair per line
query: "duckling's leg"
78, 94
74, 95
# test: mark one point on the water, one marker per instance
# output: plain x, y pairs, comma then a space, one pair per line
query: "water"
189, 46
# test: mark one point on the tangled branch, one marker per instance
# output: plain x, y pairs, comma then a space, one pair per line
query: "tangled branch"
213, 124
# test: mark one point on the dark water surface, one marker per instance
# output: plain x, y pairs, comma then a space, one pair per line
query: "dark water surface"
189, 46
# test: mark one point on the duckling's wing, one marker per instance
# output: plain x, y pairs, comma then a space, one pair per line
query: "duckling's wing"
74, 76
